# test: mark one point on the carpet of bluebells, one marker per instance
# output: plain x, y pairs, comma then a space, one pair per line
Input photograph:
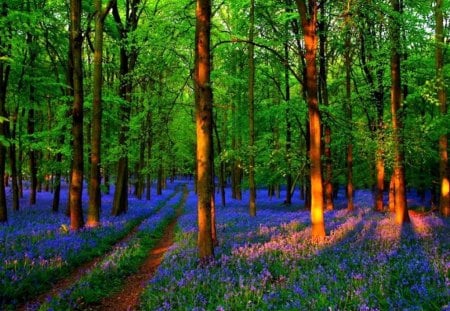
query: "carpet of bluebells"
37, 248
367, 261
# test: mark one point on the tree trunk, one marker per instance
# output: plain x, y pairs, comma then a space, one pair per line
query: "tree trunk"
309, 24
95, 196
323, 95
348, 110
128, 58
401, 210
5, 70
203, 103
444, 201
13, 164
289, 187
251, 112
76, 185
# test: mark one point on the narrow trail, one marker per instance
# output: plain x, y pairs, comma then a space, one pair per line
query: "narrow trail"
128, 298
75, 275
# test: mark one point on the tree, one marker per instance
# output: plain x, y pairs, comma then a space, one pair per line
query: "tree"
308, 16
128, 59
401, 210
95, 199
251, 111
76, 179
5, 69
203, 104
444, 202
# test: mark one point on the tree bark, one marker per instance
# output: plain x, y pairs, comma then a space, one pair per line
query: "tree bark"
309, 25
251, 112
76, 185
128, 58
348, 110
203, 103
5, 69
444, 201
401, 209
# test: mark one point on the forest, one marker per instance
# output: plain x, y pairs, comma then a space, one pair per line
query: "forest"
224, 155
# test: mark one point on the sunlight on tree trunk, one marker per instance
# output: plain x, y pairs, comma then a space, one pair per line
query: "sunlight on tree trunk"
76, 185
203, 103
444, 201
401, 209
309, 21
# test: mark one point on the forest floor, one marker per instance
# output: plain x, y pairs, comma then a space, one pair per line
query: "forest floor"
75, 276
128, 298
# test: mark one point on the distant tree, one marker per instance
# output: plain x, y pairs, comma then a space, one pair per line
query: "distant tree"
5, 69
203, 103
251, 111
128, 58
76, 180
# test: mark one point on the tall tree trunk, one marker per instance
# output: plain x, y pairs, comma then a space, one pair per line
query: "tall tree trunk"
128, 58
149, 143
323, 91
31, 124
348, 110
76, 185
309, 25
444, 201
401, 210
289, 187
203, 103
5, 69
95, 196
251, 112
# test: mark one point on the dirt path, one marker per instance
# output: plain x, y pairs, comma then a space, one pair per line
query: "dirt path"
68, 281
128, 298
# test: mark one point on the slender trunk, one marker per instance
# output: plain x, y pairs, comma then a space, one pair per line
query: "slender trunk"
323, 92
203, 102
32, 152
95, 196
13, 164
159, 181
57, 181
76, 186
444, 201
251, 112
289, 189
401, 209
348, 110
5, 69
149, 156
392, 194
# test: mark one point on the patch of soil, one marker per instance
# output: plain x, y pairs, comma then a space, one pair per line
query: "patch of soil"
128, 298
68, 281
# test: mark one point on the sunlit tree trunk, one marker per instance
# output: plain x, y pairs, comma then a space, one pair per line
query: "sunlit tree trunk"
401, 210
309, 26
251, 111
76, 185
203, 103
444, 202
